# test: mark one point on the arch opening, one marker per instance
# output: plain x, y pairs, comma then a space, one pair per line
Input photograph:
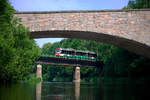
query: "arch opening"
131, 45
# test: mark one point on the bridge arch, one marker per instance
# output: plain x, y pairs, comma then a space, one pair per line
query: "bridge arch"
128, 29
128, 44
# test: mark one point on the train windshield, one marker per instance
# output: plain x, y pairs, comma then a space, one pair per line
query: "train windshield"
57, 50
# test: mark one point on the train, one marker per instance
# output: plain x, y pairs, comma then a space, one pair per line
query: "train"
76, 54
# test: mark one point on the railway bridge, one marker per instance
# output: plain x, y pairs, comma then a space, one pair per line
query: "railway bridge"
67, 62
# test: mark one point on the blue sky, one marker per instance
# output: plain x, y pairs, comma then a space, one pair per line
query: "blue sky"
59, 5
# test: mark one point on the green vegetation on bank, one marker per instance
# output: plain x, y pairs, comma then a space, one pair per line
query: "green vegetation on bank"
32, 79
17, 51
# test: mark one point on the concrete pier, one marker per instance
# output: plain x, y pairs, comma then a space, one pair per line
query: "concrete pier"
77, 74
39, 71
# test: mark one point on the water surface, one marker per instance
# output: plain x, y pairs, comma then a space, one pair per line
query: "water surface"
105, 90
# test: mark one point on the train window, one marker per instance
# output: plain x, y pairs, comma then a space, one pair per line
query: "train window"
78, 53
92, 55
95, 55
72, 52
81, 54
67, 52
62, 52
84, 54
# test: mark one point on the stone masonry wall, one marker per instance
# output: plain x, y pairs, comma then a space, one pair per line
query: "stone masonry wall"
129, 26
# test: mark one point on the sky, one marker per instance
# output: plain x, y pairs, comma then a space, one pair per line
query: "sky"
60, 5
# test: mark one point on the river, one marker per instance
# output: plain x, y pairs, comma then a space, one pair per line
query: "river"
105, 90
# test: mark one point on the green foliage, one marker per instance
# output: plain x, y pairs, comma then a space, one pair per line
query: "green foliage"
57, 73
137, 4
32, 79
17, 51
46, 48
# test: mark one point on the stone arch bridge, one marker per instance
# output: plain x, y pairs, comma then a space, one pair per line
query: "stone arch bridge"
129, 29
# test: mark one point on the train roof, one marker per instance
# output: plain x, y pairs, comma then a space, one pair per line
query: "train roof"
70, 49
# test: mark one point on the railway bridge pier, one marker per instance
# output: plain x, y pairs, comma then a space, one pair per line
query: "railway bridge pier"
76, 74
76, 77
39, 71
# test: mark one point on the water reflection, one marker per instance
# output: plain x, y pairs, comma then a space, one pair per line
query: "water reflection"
17, 91
38, 91
75, 94
77, 90
106, 90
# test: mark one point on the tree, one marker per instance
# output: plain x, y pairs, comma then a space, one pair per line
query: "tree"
46, 49
17, 51
137, 4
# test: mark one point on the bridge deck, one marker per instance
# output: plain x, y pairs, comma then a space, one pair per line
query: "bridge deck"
68, 61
